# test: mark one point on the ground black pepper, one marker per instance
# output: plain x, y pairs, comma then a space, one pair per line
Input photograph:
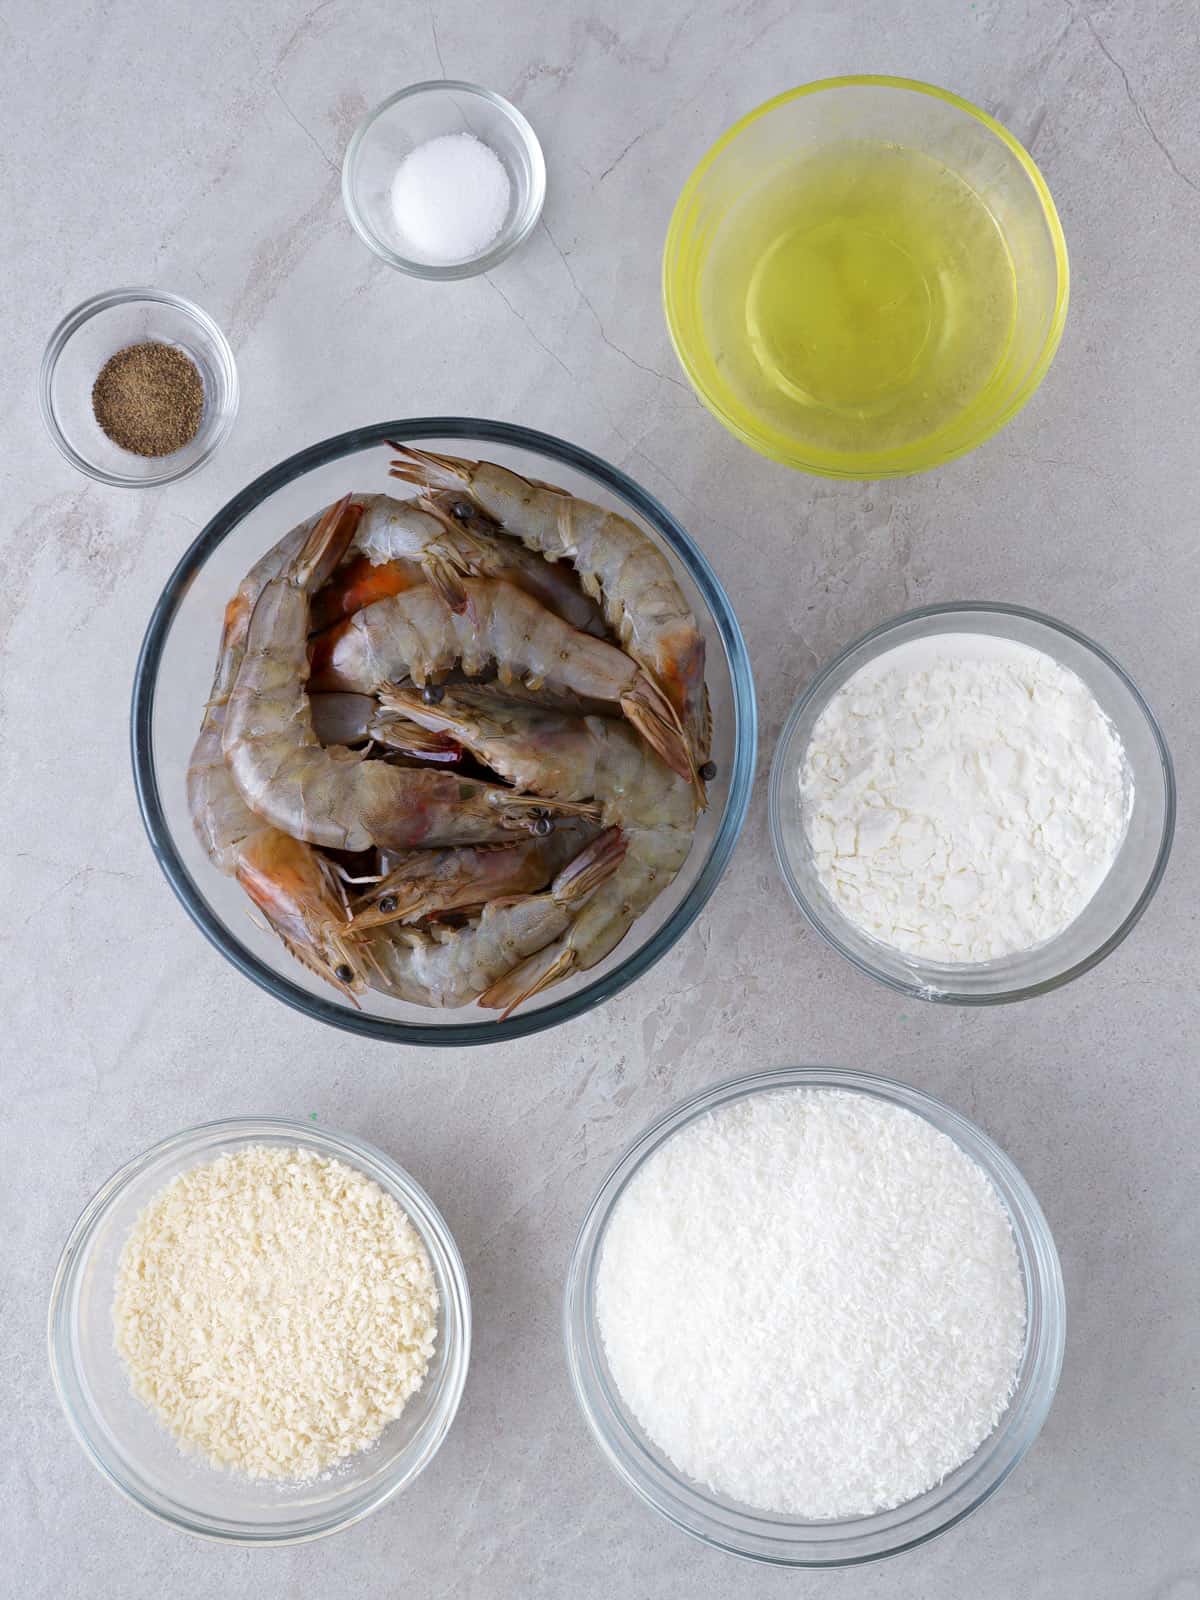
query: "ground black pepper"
149, 398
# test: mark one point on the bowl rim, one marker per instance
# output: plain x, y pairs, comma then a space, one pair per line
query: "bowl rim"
813, 692
507, 241
745, 716
873, 467
204, 1139
82, 314
693, 1509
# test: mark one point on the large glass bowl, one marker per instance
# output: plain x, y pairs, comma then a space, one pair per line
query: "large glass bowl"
891, 112
837, 1542
175, 669
1120, 900
134, 1451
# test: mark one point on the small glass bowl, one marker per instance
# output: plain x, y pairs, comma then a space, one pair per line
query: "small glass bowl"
427, 111
136, 1453
1120, 900
780, 1540
96, 330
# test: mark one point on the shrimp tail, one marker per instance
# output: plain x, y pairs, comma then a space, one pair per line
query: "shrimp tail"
426, 468
397, 732
446, 581
327, 543
594, 865
445, 569
529, 977
656, 719
575, 884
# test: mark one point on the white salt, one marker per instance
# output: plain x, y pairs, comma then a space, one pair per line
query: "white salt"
450, 197
811, 1301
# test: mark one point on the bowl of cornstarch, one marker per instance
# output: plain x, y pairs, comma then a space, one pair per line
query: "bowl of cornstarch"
260, 1330
814, 1317
973, 803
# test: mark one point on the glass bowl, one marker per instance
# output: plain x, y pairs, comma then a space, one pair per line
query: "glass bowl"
782, 1540
176, 664
427, 111
96, 330
896, 112
1118, 903
135, 1452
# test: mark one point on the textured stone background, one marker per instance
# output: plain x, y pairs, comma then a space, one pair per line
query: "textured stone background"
200, 151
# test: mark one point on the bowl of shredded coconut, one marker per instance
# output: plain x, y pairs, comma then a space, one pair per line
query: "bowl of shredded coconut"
973, 803
260, 1330
814, 1318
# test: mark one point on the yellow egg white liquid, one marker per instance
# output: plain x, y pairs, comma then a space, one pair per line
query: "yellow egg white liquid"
860, 299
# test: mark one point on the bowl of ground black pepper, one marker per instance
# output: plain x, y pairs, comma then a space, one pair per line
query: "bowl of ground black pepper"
138, 387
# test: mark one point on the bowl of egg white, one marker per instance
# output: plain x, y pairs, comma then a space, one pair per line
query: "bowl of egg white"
973, 803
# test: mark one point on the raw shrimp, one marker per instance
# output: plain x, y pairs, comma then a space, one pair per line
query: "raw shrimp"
453, 966
616, 562
535, 747
417, 636
574, 758
336, 797
425, 533
656, 850
427, 883
403, 543
295, 888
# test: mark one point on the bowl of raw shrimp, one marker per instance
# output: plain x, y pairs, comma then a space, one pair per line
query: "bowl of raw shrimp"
479, 740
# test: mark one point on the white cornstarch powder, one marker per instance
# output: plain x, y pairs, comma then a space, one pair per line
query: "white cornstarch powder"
275, 1309
964, 797
811, 1301
450, 197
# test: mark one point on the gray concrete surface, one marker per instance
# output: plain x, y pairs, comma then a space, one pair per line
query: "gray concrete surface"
197, 147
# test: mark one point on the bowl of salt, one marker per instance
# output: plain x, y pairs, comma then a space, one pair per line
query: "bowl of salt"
443, 180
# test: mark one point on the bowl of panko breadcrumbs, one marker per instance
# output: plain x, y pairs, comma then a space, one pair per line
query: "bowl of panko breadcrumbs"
260, 1330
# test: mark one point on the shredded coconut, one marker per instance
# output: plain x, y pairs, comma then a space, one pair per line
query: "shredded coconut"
450, 197
964, 797
275, 1309
811, 1301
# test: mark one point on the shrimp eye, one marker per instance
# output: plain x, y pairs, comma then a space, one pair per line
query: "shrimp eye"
543, 826
708, 771
461, 511
344, 972
387, 904
432, 694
